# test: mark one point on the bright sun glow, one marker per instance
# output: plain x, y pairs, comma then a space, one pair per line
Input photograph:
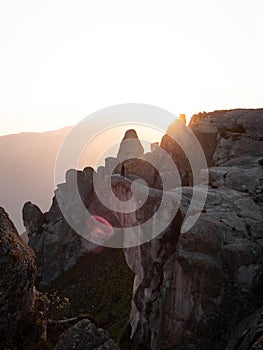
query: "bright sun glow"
62, 60
107, 143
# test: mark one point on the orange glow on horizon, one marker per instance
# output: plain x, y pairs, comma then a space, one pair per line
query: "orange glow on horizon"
107, 143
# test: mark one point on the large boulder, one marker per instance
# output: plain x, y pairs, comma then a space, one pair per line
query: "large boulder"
84, 335
22, 316
33, 218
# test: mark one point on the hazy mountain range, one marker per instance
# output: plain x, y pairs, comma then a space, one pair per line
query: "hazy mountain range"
27, 170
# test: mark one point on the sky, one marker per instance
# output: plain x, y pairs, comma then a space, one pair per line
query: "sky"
62, 60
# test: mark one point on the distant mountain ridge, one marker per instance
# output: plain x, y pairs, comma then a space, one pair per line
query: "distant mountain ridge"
27, 170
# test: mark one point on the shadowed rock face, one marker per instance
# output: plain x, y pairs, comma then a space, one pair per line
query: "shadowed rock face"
177, 154
248, 334
131, 155
84, 335
22, 308
56, 245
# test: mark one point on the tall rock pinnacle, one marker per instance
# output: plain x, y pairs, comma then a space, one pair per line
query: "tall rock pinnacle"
130, 146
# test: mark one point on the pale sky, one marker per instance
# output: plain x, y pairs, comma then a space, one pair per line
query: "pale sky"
62, 60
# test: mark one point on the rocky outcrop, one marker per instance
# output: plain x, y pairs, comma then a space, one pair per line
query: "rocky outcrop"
177, 154
130, 146
131, 155
248, 335
22, 308
33, 219
212, 277
189, 297
230, 137
84, 335
56, 245
191, 288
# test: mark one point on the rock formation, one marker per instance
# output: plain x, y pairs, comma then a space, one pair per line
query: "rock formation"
248, 334
177, 154
192, 295
22, 316
131, 155
56, 245
84, 335
130, 146
191, 288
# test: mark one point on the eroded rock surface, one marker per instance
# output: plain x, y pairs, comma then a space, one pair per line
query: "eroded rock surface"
84, 335
192, 297
56, 245
248, 334
22, 308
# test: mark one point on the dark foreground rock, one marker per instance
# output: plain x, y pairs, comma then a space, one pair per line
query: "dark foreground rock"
56, 245
84, 335
248, 335
22, 308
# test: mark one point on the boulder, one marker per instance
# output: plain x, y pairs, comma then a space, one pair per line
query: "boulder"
84, 335
33, 218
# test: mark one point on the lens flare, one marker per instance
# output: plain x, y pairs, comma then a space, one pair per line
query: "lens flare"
99, 227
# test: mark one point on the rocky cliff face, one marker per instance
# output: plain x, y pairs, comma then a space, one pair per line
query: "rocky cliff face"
56, 245
190, 288
22, 308
189, 297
